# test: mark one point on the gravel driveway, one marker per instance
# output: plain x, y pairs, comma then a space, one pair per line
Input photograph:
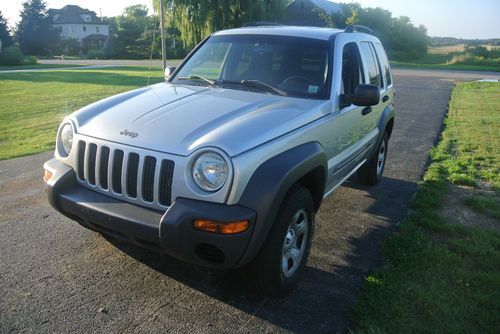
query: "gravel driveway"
56, 276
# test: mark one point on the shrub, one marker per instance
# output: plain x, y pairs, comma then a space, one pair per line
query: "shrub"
95, 54
30, 60
11, 56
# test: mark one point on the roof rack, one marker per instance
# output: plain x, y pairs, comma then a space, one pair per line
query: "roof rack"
358, 28
260, 24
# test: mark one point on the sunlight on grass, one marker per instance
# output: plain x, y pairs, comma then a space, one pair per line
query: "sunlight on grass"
34, 103
442, 277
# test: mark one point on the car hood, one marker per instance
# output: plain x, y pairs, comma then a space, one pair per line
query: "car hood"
180, 119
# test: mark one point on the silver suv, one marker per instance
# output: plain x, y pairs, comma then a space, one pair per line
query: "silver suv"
226, 162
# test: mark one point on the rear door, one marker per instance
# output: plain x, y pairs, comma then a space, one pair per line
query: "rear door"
371, 115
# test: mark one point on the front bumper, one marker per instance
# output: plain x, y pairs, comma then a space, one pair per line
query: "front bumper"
171, 231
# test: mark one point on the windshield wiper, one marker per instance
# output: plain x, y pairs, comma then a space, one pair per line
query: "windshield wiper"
255, 84
262, 86
199, 78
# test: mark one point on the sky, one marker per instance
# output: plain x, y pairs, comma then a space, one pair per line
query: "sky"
454, 18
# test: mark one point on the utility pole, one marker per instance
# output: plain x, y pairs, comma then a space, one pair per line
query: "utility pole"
163, 56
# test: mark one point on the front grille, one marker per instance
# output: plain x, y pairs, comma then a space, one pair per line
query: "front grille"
134, 176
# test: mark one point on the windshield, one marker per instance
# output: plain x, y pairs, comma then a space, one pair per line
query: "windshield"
281, 65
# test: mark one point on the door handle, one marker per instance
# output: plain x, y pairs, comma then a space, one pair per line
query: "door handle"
366, 111
385, 98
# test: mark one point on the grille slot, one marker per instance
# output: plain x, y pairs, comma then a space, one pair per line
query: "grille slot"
165, 186
210, 253
91, 164
135, 177
81, 160
116, 179
148, 178
132, 168
103, 167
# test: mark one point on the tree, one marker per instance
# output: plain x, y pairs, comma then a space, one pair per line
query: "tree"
131, 34
34, 32
400, 37
5, 36
197, 19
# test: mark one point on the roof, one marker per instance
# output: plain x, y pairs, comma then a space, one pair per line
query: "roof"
72, 14
328, 6
294, 31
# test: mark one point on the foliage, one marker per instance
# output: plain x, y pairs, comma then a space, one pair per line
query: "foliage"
69, 46
441, 277
131, 34
197, 19
30, 60
11, 56
34, 32
48, 96
136, 35
400, 37
5, 35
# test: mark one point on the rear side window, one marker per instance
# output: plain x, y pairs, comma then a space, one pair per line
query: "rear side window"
382, 56
372, 64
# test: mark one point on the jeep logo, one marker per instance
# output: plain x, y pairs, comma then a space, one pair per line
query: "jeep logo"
129, 133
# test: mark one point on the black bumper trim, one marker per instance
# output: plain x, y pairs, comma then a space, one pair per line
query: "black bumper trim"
171, 232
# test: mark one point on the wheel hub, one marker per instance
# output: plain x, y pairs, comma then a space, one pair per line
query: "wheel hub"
295, 243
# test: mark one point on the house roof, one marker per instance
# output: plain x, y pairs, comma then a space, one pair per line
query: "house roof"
73, 14
327, 6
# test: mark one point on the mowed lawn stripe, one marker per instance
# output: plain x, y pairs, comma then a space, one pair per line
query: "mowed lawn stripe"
33, 104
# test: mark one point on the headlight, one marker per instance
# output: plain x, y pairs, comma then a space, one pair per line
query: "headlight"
210, 171
66, 138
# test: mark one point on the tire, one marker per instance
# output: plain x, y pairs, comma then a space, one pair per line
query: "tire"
277, 267
371, 172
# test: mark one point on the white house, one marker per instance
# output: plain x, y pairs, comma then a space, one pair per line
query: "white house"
82, 24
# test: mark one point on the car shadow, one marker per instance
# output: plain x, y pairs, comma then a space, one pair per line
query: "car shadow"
322, 301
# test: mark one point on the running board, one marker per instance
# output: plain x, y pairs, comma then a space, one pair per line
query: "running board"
344, 179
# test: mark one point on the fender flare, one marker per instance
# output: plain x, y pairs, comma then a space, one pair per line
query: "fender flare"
270, 182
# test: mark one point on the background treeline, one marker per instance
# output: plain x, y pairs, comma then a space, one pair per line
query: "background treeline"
135, 34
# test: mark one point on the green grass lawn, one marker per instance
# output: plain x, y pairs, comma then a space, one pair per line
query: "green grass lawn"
440, 276
32, 104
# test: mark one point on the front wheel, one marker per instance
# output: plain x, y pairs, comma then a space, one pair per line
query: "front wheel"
283, 256
371, 172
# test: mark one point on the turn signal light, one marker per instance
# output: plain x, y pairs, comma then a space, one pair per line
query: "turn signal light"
47, 175
220, 227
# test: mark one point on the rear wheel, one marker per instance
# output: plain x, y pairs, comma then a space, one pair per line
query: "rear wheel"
371, 172
283, 256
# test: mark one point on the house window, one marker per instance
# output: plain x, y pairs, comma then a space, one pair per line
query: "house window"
84, 28
96, 29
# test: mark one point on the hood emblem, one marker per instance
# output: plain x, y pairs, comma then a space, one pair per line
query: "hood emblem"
129, 133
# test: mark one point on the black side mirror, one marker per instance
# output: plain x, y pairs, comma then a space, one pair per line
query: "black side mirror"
168, 72
364, 96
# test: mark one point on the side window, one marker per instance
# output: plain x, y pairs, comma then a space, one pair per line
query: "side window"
372, 64
385, 63
352, 70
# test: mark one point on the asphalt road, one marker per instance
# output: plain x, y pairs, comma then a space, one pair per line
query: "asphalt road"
56, 276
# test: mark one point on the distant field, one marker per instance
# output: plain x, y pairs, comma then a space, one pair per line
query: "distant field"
446, 49
451, 57
32, 104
